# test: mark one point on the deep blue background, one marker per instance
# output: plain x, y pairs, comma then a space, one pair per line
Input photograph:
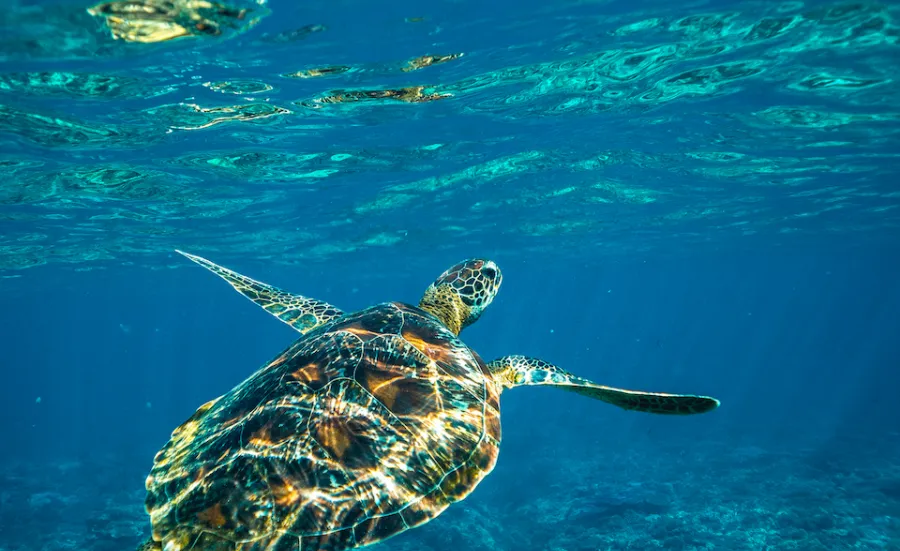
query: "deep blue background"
800, 346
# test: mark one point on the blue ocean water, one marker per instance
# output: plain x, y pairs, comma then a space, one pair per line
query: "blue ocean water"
693, 198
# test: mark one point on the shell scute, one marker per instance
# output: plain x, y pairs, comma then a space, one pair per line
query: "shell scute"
323, 358
233, 499
378, 528
273, 428
352, 428
388, 321
399, 376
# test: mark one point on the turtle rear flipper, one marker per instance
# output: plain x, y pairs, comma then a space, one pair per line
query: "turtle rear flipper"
150, 545
302, 313
521, 370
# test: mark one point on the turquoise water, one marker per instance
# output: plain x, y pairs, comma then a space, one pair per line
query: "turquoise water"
696, 197
693, 126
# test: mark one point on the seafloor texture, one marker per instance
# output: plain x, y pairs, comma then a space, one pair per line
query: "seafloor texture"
241, 127
674, 496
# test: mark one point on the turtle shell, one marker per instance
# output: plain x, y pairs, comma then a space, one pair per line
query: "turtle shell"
361, 429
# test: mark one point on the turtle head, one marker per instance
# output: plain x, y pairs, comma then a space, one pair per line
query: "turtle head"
460, 294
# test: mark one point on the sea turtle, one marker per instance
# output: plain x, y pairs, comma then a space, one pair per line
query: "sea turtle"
369, 424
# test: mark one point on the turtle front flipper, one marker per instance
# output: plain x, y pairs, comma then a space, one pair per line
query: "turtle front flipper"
302, 313
513, 371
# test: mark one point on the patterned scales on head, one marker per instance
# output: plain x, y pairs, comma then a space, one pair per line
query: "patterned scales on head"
371, 423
